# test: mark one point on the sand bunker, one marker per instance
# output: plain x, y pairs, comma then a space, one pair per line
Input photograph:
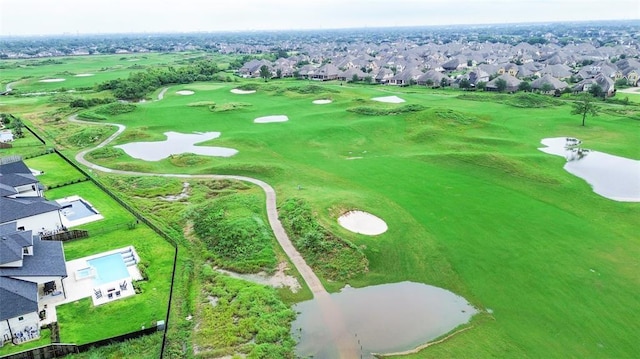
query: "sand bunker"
268, 119
52, 80
242, 92
389, 99
362, 223
322, 102
185, 92
84, 75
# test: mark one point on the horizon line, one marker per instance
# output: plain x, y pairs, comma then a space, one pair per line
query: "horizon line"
172, 32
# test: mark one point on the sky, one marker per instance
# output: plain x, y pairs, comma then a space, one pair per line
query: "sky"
56, 17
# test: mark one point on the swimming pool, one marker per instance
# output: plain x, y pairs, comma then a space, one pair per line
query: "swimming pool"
77, 209
109, 268
84, 273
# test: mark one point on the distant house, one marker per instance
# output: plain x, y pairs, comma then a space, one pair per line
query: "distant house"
433, 78
406, 77
326, 72
252, 68
21, 200
606, 84
348, 74
384, 76
30, 270
549, 83
512, 83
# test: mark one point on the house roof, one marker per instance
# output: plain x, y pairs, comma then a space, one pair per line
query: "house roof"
16, 208
18, 297
12, 242
14, 174
512, 82
47, 261
548, 79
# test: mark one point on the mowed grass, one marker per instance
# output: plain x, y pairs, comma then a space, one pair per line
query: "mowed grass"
55, 170
471, 204
26, 76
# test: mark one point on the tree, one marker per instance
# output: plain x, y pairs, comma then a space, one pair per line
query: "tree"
265, 73
444, 82
464, 84
429, 82
354, 78
584, 106
524, 86
17, 127
368, 79
501, 85
296, 74
279, 73
481, 85
546, 87
596, 90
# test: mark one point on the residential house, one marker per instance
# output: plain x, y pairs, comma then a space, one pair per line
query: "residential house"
630, 69
21, 200
433, 78
407, 77
384, 75
512, 83
548, 83
606, 84
326, 72
30, 270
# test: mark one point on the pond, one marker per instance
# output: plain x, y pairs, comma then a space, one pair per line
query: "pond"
175, 144
613, 177
377, 319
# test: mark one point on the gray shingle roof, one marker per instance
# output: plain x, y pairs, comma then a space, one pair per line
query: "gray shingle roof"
17, 297
12, 242
47, 261
12, 209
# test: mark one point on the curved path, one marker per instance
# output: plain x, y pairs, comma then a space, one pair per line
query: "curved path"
301, 265
161, 94
331, 313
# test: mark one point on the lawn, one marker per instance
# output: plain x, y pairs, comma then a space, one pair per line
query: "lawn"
471, 204
56, 171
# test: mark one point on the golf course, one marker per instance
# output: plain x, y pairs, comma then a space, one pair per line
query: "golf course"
470, 202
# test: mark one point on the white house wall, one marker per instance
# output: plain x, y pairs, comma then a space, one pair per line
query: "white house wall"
49, 221
30, 320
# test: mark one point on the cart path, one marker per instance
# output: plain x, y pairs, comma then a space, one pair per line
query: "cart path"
331, 313
161, 94
310, 278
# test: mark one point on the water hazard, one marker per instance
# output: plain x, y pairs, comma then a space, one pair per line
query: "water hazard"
175, 144
377, 319
613, 177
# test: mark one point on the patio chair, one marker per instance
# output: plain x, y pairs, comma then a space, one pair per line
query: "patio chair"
98, 293
123, 285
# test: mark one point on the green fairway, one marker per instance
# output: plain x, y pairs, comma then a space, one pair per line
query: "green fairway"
471, 204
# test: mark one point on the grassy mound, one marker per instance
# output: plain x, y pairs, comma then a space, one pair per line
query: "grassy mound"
235, 233
310, 89
332, 257
201, 104
520, 100
249, 87
373, 111
223, 107
103, 112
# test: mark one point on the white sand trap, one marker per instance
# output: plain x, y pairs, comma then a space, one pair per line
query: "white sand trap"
362, 223
389, 99
269, 119
322, 102
84, 75
52, 80
242, 92
175, 144
185, 92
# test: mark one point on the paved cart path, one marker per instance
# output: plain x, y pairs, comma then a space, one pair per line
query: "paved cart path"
331, 313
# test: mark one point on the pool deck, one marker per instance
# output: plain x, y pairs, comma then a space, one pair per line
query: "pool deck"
68, 223
83, 288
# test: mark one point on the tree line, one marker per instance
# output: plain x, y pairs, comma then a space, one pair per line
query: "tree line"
138, 84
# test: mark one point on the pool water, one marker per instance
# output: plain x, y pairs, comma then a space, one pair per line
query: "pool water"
108, 269
77, 209
84, 273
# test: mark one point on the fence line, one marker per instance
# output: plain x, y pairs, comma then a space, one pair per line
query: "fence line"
151, 225
160, 326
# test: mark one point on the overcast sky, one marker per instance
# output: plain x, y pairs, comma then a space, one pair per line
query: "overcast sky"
35, 17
